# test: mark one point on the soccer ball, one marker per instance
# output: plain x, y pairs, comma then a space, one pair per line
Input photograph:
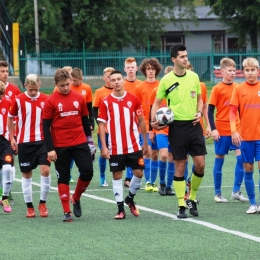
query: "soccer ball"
164, 116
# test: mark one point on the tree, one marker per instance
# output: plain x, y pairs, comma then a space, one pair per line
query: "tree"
103, 24
242, 18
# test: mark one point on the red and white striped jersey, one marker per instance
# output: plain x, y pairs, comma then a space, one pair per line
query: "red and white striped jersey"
120, 114
11, 91
5, 105
29, 110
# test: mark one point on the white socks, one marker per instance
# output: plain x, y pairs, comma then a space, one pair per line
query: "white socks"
27, 189
6, 179
118, 190
135, 184
45, 187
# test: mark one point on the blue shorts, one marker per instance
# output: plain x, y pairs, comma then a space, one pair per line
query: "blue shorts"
224, 145
142, 140
99, 142
250, 151
162, 141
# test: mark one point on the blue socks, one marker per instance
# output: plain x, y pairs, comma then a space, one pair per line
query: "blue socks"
239, 174
162, 171
147, 164
170, 174
217, 175
129, 173
102, 167
250, 187
154, 170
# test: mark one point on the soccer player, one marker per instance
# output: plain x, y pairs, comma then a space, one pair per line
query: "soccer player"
119, 112
221, 132
181, 88
10, 93
98, 96
6, 152
130, 84
31, 147
150, 68
67, 133
246, 99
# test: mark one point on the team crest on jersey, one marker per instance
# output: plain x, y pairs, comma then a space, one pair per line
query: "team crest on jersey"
129, 104
76, 104
3, 111
8, 158
83, 92
193, 94
138, 112
60, 107
141, 161
10, 93
42, 104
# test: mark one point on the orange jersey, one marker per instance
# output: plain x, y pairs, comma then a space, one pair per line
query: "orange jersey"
204, 100
83, 89
220, 98
100, 94
143, 91
247, 98
163, 104
130, 86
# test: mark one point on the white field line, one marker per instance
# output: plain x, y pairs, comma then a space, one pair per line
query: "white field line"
165, 214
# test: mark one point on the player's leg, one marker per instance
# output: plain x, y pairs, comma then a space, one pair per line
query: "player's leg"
248, 151
136, 162
170, 173
238, 177
154, 166
83, 159
221, 148
102, 165
117, 165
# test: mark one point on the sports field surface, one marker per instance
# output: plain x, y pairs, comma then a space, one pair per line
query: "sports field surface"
221, 231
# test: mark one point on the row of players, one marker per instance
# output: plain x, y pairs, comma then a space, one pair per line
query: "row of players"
151, 68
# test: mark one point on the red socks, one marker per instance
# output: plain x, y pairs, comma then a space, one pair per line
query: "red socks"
64, 193
80, 188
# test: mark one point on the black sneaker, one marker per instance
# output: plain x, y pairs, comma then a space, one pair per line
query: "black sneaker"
67, 217
182, 212
170, 192
162, 189
192, 205
76, 207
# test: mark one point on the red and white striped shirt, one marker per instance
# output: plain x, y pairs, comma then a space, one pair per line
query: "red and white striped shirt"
5, 105
11, 91
120, 115
29, 110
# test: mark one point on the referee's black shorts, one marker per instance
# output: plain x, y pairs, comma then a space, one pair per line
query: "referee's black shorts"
186, 138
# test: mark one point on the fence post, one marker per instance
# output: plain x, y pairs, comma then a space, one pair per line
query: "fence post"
84, 61
148, 49
212, 63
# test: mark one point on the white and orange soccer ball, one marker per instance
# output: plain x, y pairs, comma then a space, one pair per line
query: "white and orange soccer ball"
164, 116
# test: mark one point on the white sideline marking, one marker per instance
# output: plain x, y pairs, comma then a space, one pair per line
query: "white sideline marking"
165, 214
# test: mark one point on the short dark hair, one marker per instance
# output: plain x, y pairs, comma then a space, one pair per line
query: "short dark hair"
176, 48
60, 75
116, 72
3, 63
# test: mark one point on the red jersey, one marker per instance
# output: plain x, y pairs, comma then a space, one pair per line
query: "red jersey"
120, 115
5, 105
11, 91
247, 98
29, 110
66, 112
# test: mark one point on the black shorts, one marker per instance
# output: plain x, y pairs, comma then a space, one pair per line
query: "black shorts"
83, 160
32, 154
133, 160
6, 152
184, 138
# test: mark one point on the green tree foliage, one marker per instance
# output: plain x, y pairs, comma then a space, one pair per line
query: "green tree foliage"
242, 18
102, 24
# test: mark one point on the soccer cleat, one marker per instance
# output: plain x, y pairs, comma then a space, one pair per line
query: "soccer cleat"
43, 210
67, 217
182, 212
220, 199
134, 210
30, 213
148, 187
6, 206
239, 196
192, 205
169, 192
120, 215
127, 183
71, 180
252, 209
103, 182
11, 199
162, 189
155, 188
76, 207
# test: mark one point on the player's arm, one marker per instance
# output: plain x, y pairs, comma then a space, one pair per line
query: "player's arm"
143, 132
46, 125
10, 126
214, 131
236, 138
91, 116
95, 113
155, 107
199, 113
206, 118
102, 136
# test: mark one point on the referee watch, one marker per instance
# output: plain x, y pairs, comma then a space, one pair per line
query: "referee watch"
201, 113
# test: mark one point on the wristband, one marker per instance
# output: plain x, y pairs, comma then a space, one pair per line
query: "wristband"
201, 113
